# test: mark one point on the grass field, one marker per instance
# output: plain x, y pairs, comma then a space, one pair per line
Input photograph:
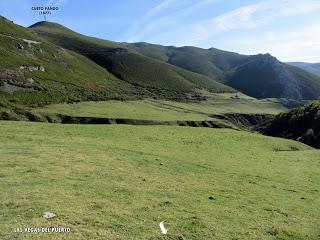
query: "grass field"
167, 110
120, 182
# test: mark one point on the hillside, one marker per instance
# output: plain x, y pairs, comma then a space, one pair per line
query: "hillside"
301, 124
111, 139
257, 76
128, 65
36, 72
264, 76
260, 76
310, 67
209, 62
218, 111
120, 182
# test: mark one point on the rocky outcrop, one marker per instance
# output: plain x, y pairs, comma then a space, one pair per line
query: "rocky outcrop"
31, 42
32, 68
289, 84
263, 76
9, 88
12, 80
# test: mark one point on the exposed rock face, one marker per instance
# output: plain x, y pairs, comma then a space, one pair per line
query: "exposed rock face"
29, 81
11, 75
9, 88
32, 68
30, 42
263, 76
13, 80
20, 46
290, 88
49, 215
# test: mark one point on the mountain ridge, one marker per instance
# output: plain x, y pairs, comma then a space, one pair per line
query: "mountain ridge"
127, 64
139, 70
309, 67
259, 76
290, 82
34, 71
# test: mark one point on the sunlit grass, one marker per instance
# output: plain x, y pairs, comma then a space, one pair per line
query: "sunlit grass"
120, 182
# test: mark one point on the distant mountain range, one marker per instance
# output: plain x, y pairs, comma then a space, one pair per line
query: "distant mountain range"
48, 62
260, 76
310, 67
127, 64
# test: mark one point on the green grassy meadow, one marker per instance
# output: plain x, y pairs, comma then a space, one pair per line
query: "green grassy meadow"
120, 182
167, 110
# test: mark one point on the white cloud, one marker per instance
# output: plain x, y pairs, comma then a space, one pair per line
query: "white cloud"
257, 15
290, 45
137, 25
159, 8
148, 22
239, 18
252, 16
287, 45
58, 3
302, 44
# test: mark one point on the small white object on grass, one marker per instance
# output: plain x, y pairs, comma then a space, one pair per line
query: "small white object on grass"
163, 229
48, 215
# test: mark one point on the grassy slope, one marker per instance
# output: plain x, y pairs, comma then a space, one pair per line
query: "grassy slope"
145, 110
209, 62
106, 182
126, 64
68, 76
167, 110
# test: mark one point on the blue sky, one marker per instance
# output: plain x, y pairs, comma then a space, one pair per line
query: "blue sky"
288, 29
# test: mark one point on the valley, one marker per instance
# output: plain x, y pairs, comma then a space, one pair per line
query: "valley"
114, 138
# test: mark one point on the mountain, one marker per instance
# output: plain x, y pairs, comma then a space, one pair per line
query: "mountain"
263, 76
49, 63
260, 76
209, 62
129, 65
310, 67
302, 124
34, 72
